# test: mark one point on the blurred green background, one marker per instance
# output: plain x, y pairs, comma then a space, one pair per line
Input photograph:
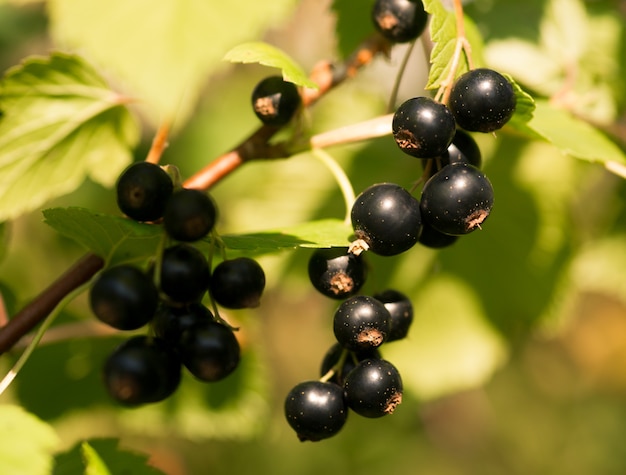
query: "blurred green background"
516, 362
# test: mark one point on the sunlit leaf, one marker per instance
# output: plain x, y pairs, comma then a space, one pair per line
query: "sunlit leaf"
61, 123
268, 55
163, 51
26, 442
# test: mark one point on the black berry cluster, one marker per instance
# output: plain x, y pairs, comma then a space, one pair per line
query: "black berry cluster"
169, 295
353, 374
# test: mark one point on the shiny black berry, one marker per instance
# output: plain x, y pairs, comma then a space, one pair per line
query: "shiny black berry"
315, 410
361, 323
482, 100
142, 370
401, 311
184, 273
237, 283
123, 297
430, 237
209, 350
373, 388
399, 20
143, 190
457, 199
462, 149
387, 218
189, 215
423, 128
336, 273
170, 321
351, 359
275, 101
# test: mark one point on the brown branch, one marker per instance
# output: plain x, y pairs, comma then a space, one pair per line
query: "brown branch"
256, 146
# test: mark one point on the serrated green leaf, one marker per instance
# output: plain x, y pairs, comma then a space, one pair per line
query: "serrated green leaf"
450, 347
60, 124
102, 457
26, 443
573, 136
117, 239
524, 107
268, 55
163, 51
114, 238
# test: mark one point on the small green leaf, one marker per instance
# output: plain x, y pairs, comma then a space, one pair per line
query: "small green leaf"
443, 35
60, 124
524, 107
102, 457
26, 442
268, 55
573, 136
94, 464
117, 239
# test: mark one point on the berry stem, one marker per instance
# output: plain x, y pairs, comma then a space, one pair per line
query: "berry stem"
10, 376
340, 176
369, 129
159, 143
336, 367
391, 106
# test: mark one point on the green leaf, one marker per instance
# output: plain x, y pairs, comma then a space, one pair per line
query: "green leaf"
268, 55
450, 347
117, 239
114, 238
524, 107
162, 51
444, 37
60, 124
573, 136
26, 442
102, 457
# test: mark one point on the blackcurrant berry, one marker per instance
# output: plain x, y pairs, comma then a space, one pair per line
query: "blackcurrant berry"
123, 297
184, 273
275, 101
142, 190
170, 322
482, 100
423, 128
373, 388
434, 239
401, 311
387, 218
462, 149
209, 350
361, 323
352, 358
399, 20
316, 410
336, 273
142, 370
237, 283
189, 215
457, 199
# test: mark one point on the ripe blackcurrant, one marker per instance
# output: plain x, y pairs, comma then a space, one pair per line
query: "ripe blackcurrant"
170, 322
462, 149
457, 199
387, 218
482, 100
209, 350
336, 273
399, 20
423, 128
275, 101
184, 273
316, 410
142, 190
142, 370
189, 215
434, 239
124, 297
361, 323
237, 283
401, 311
352, 358
373, 388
